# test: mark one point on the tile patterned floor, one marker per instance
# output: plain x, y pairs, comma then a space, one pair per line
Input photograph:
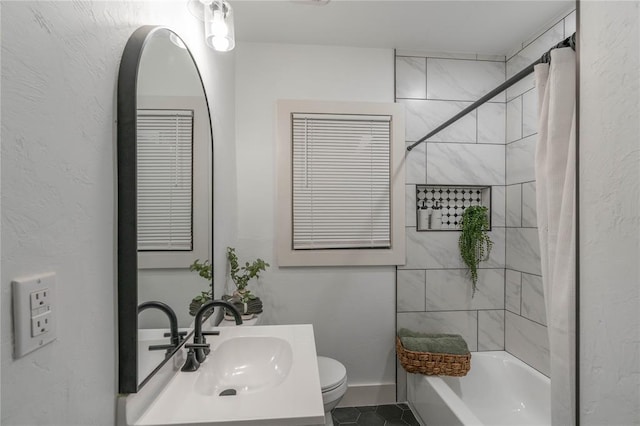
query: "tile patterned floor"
380, 415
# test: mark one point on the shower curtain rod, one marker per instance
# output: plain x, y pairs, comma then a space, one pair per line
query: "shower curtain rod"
545, 58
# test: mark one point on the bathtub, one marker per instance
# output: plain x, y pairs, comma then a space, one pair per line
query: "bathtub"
498, 390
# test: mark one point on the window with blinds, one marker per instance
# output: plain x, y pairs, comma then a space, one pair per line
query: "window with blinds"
341, 174
165, 180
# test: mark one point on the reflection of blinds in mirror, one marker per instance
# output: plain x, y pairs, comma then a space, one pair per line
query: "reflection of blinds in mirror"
341, 181
164, 180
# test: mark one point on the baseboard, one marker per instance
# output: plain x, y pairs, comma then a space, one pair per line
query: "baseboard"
362, 395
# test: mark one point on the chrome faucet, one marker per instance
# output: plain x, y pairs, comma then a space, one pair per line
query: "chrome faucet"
201, 351
175, 338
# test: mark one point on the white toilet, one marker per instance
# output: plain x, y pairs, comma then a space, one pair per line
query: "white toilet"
333, 381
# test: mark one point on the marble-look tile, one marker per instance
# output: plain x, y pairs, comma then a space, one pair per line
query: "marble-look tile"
530, 113
491, 330
423, 116
529, 219
411, 290
514, 205
520, 87
498, 206
513, 291
570, 24
456, 80
523, 250
491, 123
534, 50
439, 250
410, 216
451, 290
514, 120
497, 255
464, 323
533, 306
514, 51
415, 164
521, 160
465, 164
411, 77
432, 250
528, 341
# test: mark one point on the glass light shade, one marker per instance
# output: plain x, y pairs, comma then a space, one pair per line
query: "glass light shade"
218, 26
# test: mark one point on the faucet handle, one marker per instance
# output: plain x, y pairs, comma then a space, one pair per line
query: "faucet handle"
210, 333
180, 333
201, 350
196, 345
160, 347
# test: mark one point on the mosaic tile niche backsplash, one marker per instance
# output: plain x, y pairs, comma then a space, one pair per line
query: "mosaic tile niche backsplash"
491, 147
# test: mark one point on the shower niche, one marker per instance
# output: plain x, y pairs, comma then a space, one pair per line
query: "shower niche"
440, 207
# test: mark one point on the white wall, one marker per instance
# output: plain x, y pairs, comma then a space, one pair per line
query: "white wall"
59, 72
609, 213
351, 308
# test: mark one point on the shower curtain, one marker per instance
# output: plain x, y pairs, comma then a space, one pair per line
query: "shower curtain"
555, 202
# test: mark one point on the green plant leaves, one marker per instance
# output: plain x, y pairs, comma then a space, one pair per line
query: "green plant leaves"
474, 243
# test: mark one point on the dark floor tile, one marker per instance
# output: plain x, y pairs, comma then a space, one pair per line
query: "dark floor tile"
370, 418
345, 415
390, 412
367, 408
375, 415
409, 418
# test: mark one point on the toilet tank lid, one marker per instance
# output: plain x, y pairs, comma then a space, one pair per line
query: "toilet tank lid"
332, 373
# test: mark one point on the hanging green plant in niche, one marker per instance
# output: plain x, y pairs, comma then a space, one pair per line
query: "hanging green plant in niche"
474, 243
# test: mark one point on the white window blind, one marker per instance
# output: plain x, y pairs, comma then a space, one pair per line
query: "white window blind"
341, 181
165, 180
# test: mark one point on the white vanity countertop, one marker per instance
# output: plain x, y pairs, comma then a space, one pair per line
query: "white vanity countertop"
295, 401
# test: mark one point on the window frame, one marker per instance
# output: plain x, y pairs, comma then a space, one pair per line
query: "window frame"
286, 255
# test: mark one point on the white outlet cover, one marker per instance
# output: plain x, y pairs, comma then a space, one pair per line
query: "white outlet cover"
22, 289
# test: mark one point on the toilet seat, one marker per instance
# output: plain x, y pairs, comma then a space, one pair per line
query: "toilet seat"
332, 374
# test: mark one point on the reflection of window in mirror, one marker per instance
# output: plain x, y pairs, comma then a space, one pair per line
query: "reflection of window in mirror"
172, 181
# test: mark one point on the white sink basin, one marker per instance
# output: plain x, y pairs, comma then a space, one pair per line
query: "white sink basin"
245, 365
272, 369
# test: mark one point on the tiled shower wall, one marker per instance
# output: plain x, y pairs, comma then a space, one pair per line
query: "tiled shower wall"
525, 316
494, 146
433, 288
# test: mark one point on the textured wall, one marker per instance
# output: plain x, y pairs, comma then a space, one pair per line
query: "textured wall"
609, 213
351, 308
525, 317
59, 72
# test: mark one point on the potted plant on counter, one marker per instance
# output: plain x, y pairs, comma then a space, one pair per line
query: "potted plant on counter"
242, 274
205, 270
474, 243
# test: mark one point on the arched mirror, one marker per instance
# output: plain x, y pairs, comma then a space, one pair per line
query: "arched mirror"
164, 198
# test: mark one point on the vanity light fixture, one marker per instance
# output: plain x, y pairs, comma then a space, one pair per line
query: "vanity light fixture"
219, 33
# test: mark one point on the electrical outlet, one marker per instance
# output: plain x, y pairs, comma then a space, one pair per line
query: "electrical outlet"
40, 299
34, 312
41, 324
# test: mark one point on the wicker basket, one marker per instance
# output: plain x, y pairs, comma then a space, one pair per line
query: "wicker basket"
433, 364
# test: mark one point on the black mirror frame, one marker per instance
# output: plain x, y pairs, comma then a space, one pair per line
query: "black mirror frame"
127, 275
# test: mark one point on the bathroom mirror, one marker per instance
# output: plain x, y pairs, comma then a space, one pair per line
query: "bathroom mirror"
164, 196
